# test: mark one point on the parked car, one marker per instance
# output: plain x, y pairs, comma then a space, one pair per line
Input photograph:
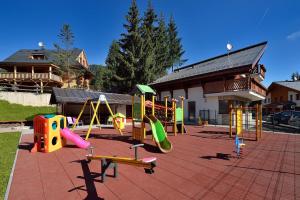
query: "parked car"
284, 117
295, 119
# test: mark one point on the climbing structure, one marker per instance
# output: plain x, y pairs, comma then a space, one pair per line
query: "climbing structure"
140, 118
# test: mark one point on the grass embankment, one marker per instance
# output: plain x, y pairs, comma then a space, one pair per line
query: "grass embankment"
8, 147
17, 112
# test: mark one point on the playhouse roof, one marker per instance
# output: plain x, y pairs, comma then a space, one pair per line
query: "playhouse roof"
80, 96
143, 89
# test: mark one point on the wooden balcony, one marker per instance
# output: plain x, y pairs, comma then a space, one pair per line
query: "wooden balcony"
30, 76
258, 72
234, 85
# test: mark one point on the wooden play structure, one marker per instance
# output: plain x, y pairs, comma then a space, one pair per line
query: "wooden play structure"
112, 162
170, 116
95, 108
140, 118
243, 121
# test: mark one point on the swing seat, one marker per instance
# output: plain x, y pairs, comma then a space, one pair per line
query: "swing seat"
149, 159
242, 145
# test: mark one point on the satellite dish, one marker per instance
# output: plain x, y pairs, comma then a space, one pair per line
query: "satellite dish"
41, 44
229, 46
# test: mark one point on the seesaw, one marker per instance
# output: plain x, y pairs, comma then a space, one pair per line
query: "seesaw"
112, 161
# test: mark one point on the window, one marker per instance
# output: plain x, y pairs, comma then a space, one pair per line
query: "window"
223, 107
280, 99
298, 96
38, 57
291, 97
186, 93
191, 110
265, 100
269, 100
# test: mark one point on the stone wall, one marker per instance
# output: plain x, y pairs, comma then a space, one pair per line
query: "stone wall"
26, 98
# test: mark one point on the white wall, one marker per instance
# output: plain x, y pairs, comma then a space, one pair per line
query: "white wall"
196, 94
121, 109
163, 94
26, 98
294, 97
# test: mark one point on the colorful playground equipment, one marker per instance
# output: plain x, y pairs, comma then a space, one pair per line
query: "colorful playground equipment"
117, 123
169, 116
140, 118
112, 162
239, 118
51, 133
245, 120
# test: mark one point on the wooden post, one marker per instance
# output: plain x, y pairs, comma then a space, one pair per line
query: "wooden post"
230, 121
153, 105
32, 72
166, 106
50, 72
42, 90
142, 120
256, 123
15, 74
132, 114
182, 108
174, 116
260, 121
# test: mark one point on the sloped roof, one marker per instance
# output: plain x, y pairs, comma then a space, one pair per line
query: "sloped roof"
23, 56
61, 95
295, 85
239, 58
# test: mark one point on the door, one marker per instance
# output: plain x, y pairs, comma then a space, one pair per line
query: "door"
192, 111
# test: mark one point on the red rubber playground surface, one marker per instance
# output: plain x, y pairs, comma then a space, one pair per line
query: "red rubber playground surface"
269, 169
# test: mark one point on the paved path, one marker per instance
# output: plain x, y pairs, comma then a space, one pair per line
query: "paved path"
269, 169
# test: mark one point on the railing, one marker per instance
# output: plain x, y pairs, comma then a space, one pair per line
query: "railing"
258, 69
39, 76
237, 84
234, 85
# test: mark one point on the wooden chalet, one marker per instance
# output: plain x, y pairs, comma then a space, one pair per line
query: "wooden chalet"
210, 86
29, 69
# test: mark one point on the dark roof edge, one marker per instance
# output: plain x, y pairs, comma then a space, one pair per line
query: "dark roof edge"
233, 52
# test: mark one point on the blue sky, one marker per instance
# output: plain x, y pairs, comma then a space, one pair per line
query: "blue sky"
205, 27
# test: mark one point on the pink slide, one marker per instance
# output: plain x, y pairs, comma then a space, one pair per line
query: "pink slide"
76, 139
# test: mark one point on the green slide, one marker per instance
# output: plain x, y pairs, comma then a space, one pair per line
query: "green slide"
159, 134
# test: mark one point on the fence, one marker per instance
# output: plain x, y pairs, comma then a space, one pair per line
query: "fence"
25, 88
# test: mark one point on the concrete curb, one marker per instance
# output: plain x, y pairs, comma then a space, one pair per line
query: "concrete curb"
12, 171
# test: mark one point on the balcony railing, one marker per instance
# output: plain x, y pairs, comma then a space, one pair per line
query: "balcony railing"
234, 85
34, 76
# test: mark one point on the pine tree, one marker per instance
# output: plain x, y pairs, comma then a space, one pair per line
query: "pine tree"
161, 50
131, 48
64, 55
175, 47
146, 71
115, 73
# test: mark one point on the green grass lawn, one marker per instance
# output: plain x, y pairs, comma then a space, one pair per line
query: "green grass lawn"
17, 112
8, 147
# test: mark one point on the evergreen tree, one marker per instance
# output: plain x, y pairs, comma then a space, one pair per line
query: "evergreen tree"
64, 55
146, 71
114, 68
175, 47
131, 49
161, 50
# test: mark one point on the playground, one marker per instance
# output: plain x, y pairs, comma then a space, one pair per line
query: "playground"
269, 169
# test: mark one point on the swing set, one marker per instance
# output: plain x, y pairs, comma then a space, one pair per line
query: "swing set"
95, 108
